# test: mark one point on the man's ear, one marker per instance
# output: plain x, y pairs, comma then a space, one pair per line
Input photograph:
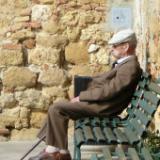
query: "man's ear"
126, 47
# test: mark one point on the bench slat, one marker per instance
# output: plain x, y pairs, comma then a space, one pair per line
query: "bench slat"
107, 154
78, 124
137, 126
138, 93
120, 135
86, 121
146, 154
96, 121
147, 107
98, 134
133, 154
79, 136
135, 102
131, 135
142, 83
143, 118
88, 133
109, 135
120, 153
151, 97
154, 87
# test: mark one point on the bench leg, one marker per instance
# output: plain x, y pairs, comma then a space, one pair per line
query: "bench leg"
78, 153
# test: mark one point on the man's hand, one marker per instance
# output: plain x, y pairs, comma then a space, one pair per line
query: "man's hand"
76, 99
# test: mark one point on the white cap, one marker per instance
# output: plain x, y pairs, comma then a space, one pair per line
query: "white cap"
125, 35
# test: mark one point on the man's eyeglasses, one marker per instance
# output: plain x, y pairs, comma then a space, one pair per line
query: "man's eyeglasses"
116, 45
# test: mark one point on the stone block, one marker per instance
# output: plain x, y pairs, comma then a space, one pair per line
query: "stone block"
25, 12
53, 92
41, 12
32, 98
76, 53
23, 34
12, 46
73, 34
32, 25
7, 100
21, 19
4, 131
84, 70
102, 56
11, 55
15, 27
21, 4
50, 27
23, 119
24, 134
37, 119
46, 1
18, 78
53, 77
9, 116
42, 55
29, 43
48, 40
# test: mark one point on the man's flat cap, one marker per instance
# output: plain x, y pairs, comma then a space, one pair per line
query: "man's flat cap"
125, 35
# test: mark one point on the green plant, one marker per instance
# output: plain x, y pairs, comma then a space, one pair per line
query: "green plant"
152, 142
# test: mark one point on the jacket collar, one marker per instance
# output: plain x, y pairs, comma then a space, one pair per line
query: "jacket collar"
132, 57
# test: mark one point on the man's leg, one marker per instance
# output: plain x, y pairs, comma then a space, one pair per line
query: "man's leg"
56, 125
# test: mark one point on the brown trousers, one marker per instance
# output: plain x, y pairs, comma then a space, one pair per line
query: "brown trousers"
56, 126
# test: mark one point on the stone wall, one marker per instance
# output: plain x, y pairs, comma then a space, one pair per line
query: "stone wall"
43, 44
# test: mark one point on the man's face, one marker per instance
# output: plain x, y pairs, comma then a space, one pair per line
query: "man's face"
119, 50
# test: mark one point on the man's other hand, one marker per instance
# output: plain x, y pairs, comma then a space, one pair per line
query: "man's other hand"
76, 99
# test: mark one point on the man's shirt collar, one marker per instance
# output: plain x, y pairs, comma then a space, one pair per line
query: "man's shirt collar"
122, 59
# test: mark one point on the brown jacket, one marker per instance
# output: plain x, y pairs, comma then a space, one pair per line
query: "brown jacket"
111, 92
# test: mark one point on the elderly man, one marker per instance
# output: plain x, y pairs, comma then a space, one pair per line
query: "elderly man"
107, 95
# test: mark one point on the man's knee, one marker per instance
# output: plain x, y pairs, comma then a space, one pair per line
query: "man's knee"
56, 108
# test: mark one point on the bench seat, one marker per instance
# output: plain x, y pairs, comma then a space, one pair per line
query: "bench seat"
120, 154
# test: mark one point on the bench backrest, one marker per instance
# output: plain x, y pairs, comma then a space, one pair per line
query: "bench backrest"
143, 112
137, 96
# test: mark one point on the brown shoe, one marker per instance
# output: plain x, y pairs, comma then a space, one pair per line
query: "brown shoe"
66, 156
45, 156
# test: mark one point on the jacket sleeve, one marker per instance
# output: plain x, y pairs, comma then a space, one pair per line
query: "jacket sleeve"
124, 77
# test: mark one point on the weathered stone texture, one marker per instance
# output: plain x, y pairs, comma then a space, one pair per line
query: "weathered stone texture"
23, 34
47, 1
81, 70
51, 27
76, 53
37, 119
41, 12
24, 134
11, 57
32, 98
7, 100
53, 92
48, 40
53, 77
9, 116
41, 55
18, 78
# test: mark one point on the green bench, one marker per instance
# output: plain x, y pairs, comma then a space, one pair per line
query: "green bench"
120, 154
112, 131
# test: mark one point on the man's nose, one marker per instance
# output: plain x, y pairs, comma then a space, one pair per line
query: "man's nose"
110, 49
